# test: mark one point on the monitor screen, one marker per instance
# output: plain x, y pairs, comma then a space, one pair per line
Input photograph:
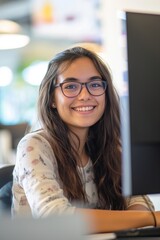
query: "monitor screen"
141, 106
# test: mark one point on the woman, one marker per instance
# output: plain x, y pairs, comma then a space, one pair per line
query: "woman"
73, 163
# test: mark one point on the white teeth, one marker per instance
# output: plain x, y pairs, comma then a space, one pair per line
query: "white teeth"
83, 109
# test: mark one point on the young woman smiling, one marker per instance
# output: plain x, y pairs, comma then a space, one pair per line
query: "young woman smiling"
73, 163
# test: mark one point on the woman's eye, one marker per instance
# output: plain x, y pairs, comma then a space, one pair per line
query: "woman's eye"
96, 85
70, 86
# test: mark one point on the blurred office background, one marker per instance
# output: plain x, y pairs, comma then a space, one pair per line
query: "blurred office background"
46, 27
42, 28
50, 26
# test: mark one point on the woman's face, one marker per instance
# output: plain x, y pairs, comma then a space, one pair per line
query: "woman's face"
83, 110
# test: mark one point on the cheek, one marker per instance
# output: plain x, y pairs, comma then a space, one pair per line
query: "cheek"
58, 98
61, 103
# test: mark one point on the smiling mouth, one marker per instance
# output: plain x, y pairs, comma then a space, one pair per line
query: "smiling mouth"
84, 109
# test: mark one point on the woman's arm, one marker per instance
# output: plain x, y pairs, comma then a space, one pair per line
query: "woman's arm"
109, 220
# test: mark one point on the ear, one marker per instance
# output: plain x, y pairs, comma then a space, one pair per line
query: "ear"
53, 105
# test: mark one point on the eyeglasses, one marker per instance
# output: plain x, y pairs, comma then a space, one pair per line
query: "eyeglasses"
73, 89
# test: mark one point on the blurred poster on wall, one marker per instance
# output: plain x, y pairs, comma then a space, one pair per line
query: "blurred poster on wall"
77, 20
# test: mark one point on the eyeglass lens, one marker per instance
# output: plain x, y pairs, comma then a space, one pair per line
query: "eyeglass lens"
72, 89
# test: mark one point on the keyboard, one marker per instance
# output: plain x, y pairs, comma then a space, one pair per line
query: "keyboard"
139, 232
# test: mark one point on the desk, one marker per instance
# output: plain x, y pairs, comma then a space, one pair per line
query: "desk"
101, 236
140, 238
111, 236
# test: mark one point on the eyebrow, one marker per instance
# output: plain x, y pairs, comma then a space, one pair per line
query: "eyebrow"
72, 79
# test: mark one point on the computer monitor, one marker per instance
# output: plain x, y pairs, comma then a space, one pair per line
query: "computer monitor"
141, 106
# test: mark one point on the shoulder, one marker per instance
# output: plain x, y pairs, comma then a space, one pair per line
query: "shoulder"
35, 144
34, 138
34, 150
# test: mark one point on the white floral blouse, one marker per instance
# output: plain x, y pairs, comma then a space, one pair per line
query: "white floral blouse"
37, 188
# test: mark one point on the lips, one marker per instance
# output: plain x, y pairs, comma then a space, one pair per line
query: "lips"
84, 109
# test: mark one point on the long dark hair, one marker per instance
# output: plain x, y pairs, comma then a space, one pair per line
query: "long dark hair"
103, 143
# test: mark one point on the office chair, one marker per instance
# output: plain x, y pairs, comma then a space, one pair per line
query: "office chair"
6, 179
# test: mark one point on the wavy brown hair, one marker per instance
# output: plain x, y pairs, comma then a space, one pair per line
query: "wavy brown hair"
103, 142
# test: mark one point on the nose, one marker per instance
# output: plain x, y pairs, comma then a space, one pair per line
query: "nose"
84, 94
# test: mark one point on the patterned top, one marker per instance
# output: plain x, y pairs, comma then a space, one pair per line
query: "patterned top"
37, 188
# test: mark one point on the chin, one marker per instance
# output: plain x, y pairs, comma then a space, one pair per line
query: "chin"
86, 125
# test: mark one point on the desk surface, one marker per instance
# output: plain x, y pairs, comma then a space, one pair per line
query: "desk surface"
111, 236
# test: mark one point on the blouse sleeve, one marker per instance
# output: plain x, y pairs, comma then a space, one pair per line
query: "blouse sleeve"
145, 201
38, 176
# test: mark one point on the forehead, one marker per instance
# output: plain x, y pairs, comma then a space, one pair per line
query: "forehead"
79, 66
